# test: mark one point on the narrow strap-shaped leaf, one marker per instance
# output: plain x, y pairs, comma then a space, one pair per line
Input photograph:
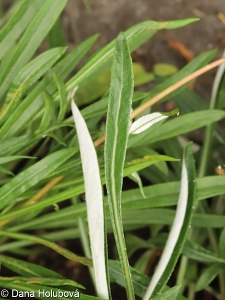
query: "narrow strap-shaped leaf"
208, 275
48, 113
27, 269
171, 294
14, 15
180, 227
41, 281
136, 36
140, 281
31, 39
31, 176
117, 129
63, 97
64, 252
222, 244
21, 15
62, 69
5, 160
94, 199
27, 77
147, 121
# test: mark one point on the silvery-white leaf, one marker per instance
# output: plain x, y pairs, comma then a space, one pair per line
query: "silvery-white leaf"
94, 200
173, 235
145, 122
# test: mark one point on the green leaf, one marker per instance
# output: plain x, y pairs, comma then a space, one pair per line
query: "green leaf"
41, 281
222, 244
144, 162
208, 275
191, 249
165, 194
33, 103
63, 97
22, 13
171, 294
31, 39
199, 253
64, 252
5, 171
6, 159
47, 115
56, 36
140, 281
141, 76
27, 77
214, 104
136, 209
31, 176
164, 70
27, 269
15, 144
117, 129
180, 227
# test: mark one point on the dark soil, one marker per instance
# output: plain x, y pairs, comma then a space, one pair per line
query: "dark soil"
108, 18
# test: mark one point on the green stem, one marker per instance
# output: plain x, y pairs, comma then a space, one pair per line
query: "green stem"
206, 150
207, 146
206, 153
191, 292
86, 246
222, 285
121, 246
210, 128
87, 5
64, 252
85, 242
182, 270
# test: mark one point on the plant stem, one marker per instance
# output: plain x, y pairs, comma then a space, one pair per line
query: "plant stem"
87, 5
210, 128
205, 159
85, 242
191, 291
202, 171
182, 270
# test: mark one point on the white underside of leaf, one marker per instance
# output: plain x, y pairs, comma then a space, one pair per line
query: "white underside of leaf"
145, 122
174, 233
94, 200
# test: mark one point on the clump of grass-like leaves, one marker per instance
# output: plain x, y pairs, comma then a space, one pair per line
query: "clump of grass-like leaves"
52, 152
